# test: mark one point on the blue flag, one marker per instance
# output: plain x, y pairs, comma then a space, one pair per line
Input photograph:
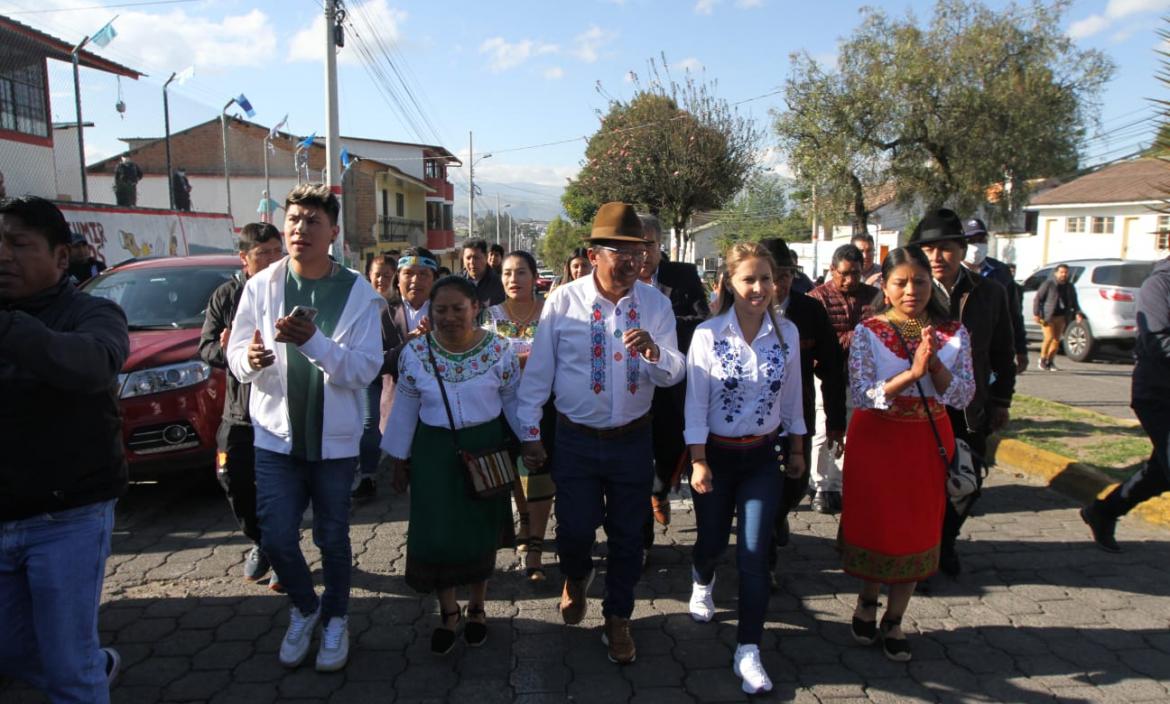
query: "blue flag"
245, 106
105, 35
308, 141
345, 157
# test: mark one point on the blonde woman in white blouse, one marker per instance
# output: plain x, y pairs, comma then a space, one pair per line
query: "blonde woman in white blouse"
743, 408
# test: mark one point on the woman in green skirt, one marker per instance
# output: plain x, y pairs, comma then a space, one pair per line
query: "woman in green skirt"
453, 537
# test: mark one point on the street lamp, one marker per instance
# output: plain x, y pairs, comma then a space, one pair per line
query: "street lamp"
471, 190
246, 106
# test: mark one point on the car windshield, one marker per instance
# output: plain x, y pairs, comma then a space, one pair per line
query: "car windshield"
160, 298
1129, 275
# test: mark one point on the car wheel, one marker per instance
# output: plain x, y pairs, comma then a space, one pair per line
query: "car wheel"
1078, 342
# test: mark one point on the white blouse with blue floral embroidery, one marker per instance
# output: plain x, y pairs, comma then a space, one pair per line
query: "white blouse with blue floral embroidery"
737, 389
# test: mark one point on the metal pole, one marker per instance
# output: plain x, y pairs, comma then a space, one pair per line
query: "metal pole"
267, 182
470, 186
498, 218
167, 127
332, 128
80, 129
227, 176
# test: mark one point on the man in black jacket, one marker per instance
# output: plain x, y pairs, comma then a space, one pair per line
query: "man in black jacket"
475, 267
688, 298
1151, 403
1055, 302
60, 355
991, 268
981, 304
820, 355
259, 245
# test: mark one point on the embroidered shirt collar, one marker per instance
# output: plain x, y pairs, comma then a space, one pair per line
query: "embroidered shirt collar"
730, 324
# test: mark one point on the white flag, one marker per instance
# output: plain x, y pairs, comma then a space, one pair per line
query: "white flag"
185, 75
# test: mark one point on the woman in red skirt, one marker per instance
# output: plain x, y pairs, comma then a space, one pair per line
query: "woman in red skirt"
894, 492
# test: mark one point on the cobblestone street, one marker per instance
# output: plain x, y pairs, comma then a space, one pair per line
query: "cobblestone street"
1038, 614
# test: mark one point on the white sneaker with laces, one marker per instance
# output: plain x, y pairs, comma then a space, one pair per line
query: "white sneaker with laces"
334, 650
299, 635
748, 667
702, 602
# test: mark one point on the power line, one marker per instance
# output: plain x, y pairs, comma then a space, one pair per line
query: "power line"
99, 7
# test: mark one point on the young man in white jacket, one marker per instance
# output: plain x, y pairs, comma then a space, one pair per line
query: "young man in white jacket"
307, 336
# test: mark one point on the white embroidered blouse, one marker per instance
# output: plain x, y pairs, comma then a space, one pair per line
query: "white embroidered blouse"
579, 355
498, 321
480, 383
737, 389
876, 354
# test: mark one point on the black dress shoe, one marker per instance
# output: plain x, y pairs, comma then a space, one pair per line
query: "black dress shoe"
834, 500
1102, 527
821, 503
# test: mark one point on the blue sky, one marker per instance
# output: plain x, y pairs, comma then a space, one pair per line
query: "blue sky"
517, 73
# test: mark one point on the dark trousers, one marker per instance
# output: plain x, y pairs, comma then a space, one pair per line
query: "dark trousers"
602, 482
1153, 478
235, 467
792, 491
746, 486
955, 517
669, 445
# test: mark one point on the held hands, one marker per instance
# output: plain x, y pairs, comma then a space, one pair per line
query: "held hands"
294, 330
258, 355
533, 454
423, 328
638, 341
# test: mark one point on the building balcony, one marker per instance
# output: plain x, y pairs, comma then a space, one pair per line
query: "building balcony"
396, 229
442, 188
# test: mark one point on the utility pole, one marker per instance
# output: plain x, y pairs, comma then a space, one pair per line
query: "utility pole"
333, 31
80, 129
167, 127
497, 218
470, 186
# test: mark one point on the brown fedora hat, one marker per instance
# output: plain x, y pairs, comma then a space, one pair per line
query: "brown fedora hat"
617, 222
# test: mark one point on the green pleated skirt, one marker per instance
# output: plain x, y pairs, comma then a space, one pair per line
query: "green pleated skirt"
453, 538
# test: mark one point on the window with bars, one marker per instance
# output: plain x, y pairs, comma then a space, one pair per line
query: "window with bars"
22, 99
1102, 226
1076, 224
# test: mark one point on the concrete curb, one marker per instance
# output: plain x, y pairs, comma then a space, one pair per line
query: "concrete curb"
1070, 477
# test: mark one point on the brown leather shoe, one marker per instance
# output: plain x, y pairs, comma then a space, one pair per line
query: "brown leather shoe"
621, 643
574, 600
661, 510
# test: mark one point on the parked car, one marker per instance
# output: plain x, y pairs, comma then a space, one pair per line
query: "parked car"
171, 399
544, 280
1105, 289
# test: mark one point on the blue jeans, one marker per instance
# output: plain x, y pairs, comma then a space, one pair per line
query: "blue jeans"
747, 482
369, 451
284, 487
603, 482
51, 572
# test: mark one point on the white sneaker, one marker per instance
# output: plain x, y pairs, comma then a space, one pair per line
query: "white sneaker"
295, 645
334, 650
702, 602
748, 667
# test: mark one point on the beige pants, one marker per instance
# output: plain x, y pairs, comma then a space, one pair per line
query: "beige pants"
1053, 331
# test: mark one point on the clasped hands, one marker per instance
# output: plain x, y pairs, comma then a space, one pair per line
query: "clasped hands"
926, 359
298, 331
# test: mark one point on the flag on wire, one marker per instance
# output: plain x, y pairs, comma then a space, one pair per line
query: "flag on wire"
344, 158
308, 141
105, 35
272, 133
185, 75
245, 106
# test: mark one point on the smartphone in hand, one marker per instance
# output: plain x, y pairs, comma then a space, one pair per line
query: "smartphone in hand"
303, 312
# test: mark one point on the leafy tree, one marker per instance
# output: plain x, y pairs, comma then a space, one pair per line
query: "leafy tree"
946, 110
579, 205
672, 149
765, 208
559, 241
485, 227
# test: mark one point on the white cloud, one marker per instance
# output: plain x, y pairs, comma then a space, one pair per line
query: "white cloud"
689, 64
589, 44
554, 72
505, 55
1114, 11
773, 161
748, 4
309, 43
705, 7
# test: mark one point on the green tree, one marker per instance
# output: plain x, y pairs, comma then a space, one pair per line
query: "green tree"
765, 208
579, 205
673, 149
945, 111
559, 241
485, 227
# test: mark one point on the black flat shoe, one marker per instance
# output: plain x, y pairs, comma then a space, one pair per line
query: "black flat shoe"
865, 632
475, 633
443, 638
896, 649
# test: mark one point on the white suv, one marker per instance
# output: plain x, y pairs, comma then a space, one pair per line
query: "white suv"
1106, 289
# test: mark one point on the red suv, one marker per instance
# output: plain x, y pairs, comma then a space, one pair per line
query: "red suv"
171, 399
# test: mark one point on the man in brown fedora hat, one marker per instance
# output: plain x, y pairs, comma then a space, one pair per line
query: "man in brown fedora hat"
604, 343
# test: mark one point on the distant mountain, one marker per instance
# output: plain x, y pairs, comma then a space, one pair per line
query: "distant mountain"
529, 201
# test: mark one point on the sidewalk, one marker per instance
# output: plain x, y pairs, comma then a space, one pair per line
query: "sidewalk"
1039, 613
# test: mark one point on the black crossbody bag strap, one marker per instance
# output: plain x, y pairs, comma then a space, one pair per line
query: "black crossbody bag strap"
942, 452
443, 392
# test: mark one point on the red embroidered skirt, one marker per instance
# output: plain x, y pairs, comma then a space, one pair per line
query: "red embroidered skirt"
894, 492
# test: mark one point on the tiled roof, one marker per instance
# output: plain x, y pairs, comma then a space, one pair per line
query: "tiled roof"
1129, 181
